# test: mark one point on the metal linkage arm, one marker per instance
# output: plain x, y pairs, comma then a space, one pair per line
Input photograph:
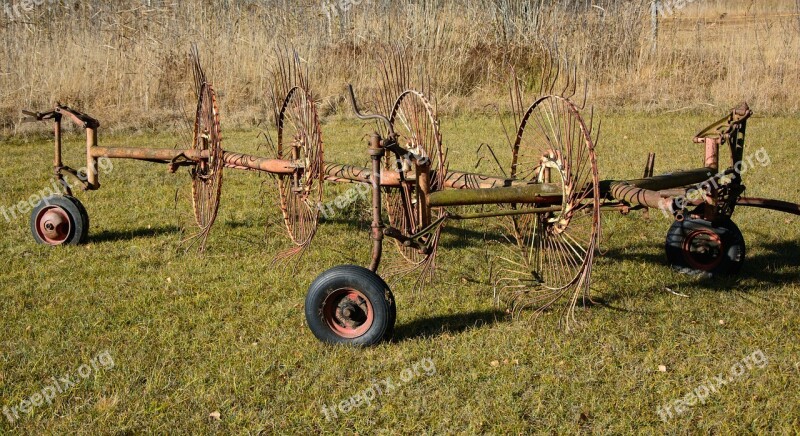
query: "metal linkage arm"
723, 128
365, 117
88, 123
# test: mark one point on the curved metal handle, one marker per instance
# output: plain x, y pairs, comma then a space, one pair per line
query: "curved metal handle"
371, 116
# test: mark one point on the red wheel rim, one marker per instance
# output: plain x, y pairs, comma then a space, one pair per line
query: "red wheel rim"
53, 225
348, 313
703, 250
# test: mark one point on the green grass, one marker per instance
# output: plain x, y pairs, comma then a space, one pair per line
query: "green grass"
191, 334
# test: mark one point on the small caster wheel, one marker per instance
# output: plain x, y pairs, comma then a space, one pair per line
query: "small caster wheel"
60, 220
350, 305
697, 246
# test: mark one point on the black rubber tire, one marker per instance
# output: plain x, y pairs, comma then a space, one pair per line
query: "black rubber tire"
725, 257
367, 283
85, 216
76, 213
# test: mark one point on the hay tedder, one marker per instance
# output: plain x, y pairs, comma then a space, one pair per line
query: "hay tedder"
549, 200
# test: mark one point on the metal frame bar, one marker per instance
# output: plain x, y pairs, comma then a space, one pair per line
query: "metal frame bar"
460, 188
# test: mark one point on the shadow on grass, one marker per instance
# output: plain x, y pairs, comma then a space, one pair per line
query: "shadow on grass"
447, 324
776, 263
126, 235
458, 237
234, 224
778, 255
465, 238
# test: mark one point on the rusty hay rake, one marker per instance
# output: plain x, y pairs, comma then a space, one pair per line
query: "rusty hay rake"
550, 198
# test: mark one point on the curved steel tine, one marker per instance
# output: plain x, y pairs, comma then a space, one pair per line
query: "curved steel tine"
199, 74
387, 91
597, 137
516, 113
566, 82
494, 156
574, 82
585, 93
552, 85
546, 70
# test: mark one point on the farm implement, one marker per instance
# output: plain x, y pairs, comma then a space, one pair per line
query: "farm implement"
550, 198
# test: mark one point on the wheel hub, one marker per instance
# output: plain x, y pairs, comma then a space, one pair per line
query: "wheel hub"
351, 314
703, 249
53, 225
552, 167
348, 313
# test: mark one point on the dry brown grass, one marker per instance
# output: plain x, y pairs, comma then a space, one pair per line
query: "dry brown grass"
125, 61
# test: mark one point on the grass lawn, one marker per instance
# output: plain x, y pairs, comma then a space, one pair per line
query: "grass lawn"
176, 341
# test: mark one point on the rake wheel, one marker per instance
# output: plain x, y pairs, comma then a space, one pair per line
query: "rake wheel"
207, 175
554, 145
300, 141
414, 121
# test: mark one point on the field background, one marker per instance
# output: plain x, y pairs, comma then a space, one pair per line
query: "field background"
126, 59
193, 334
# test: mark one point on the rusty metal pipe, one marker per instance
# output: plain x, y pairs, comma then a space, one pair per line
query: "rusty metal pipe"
648, 167
462, 180
513, 212
644, 197
333, 172
646, 192
354, 174
377, 153
389, 178
712, 153
92, 179
167, 155
544, 193
664, 181
423, 194
57, 161
248, 162
149, 154
765, 203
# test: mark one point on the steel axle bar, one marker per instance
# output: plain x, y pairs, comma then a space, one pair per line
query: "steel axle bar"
765, 203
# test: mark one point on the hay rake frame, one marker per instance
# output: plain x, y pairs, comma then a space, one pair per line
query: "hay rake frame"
551, 198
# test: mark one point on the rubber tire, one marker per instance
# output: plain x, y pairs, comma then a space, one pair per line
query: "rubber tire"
85, 216
729, 235
79, 218
368, 283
